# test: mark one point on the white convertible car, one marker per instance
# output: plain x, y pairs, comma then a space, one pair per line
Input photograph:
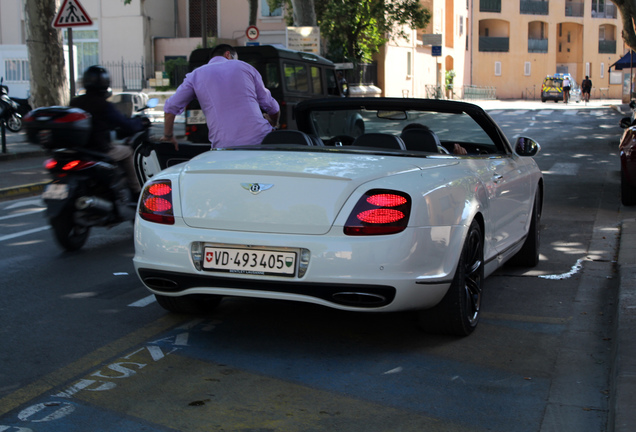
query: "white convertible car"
396, 218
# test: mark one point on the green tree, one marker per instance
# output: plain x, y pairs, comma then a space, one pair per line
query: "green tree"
355, 30
627, 10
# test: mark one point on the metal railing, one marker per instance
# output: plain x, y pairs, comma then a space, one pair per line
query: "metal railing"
472, 92
534, 7
574, 9
489, 5
494, 44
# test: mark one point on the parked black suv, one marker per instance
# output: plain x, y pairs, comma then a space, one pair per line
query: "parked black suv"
291, 77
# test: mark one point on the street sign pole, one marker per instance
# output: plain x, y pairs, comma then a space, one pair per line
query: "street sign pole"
71, 14
71, 62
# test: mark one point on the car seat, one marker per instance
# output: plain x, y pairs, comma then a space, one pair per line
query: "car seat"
379, 140
417, 139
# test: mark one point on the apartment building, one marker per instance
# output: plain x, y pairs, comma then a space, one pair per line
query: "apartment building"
506, 45
516, 43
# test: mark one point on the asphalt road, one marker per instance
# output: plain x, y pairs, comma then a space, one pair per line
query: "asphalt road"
83, 347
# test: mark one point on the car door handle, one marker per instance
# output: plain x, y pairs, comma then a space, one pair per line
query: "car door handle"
496, 178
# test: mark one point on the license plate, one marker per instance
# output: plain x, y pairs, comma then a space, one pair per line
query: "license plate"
250, 261
195, 117
55, 191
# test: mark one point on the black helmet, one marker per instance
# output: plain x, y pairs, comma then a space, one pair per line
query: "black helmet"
96, 78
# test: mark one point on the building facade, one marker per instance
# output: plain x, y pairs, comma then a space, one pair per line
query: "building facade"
516, 43
469, 45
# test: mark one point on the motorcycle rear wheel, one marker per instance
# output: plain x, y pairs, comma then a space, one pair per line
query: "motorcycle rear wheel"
14, 123
68, 234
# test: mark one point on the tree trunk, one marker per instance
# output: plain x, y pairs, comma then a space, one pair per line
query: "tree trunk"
253, 11
304, 13
49, 85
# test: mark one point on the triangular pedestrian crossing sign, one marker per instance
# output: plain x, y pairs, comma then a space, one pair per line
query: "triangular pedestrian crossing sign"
72, 14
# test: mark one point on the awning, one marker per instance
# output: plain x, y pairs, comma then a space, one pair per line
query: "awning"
628, 61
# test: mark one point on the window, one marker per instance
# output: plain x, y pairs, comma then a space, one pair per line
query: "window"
588, 67
408, 64
86, 47
296, 77
267, 12
497, 68
527, 68
316, 82
602, 70
16, 70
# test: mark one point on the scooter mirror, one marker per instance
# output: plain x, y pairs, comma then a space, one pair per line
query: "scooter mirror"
152, 103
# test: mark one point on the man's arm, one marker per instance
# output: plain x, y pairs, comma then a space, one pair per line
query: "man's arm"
168, 130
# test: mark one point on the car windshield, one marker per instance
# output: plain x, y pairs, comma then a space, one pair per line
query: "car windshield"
549, 82
450, 128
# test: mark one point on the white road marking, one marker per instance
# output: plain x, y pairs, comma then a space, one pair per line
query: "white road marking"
144, 301
23, 233
575, 269
545, 112
570, 112
36, 202
22, 214
569, 169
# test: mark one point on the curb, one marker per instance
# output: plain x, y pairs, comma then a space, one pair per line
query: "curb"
21, 155
623, 378
22, 190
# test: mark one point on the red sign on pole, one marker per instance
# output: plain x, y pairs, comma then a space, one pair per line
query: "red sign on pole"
252, 32
72, 14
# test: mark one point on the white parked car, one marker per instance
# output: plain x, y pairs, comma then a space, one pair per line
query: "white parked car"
389, 221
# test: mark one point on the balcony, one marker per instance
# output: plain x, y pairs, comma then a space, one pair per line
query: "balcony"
494, 44
574, 9
607, 47
534, 7
490, 6
608, 10
537, 45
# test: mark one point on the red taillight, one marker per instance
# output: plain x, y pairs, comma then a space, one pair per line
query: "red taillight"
77, 165
379, 212
49, 164
156, 203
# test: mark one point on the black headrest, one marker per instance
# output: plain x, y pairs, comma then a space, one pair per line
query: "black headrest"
420, 140
289, 137
379, 140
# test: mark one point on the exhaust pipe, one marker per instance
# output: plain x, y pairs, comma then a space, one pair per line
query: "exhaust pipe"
360, 299
94, 203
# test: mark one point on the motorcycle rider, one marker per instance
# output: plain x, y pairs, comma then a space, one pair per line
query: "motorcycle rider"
105, 118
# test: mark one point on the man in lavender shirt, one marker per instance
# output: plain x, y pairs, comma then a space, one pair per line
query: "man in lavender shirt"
231, 94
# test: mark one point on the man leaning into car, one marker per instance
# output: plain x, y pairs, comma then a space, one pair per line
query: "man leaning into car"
231, 94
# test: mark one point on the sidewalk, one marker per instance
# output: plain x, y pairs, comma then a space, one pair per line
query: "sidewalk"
22, 174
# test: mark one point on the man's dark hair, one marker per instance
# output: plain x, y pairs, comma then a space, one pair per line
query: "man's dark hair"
220, 50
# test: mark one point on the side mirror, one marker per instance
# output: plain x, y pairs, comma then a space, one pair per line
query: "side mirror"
527, 147
625, 122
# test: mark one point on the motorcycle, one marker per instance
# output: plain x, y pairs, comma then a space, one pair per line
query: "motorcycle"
89, 189
9, 110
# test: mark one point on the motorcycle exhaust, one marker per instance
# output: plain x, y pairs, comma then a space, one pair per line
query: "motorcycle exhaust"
94, 203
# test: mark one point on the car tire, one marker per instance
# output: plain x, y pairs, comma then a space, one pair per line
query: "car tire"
194, 304
68, 234
459, 311
628, 192
528, 255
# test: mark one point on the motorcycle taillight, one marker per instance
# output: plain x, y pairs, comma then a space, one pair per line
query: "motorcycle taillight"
77, 165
